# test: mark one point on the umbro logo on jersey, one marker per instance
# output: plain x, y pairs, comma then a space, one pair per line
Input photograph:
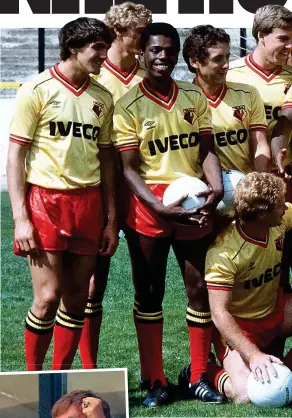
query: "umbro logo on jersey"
190, 115
55, 104
239, 112
98, 109
251, 266
279, 243
286, 88
150, 124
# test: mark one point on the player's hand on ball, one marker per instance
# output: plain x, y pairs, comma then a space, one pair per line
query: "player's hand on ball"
212, 197
92, 408
25, 237
175, 212
261, 365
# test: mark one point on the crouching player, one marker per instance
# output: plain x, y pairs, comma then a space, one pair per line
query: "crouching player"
59, 146
243, 266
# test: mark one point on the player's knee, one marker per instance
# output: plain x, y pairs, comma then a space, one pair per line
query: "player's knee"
46, 304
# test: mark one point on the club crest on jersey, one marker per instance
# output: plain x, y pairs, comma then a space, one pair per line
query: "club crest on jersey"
98, 109
279, 243
239, 112
286, 88
190, 115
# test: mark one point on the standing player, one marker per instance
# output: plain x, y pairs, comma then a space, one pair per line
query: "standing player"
163, 130
119, 72
60, 151
238, 114
243, 275
265, 68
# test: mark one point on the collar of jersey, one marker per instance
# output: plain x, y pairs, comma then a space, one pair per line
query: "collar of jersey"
77, 90
214, 100
267, 75
263, 244
125, 76
167, 101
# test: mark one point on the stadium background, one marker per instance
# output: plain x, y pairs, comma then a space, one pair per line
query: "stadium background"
20, 60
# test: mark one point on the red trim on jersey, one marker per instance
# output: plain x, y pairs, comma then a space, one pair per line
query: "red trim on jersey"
263, 244
166, 102
267, 75
214, 287
215, 99
286, 105
130, 147
76, 90
19, 140
258, 127
205, 131
124, 76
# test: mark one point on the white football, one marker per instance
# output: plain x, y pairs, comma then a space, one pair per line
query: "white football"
276, 393
185, 186
230, 180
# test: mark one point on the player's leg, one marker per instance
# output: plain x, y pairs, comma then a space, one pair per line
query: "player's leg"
89, 340
46, 273
191, 258
77, 270
238, 373
149, 259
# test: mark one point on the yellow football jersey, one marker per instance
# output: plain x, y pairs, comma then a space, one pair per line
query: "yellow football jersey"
119, 82
248, 268
64, 126
237, 110
166, 129
272, 85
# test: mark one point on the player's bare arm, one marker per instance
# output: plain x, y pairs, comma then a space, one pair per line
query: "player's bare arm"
261, 151
107, 171
280, 138
25, 235
258, 362
173, 212
212, 171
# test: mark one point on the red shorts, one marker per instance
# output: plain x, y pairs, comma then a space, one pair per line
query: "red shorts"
66, 220
146, 222
261, 331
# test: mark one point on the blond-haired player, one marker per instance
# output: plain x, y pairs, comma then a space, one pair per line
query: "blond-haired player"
243, 267
119, 73
266, 69
59, 153
238, 114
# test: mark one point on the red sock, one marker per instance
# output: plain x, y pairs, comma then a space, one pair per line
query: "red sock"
145, 373
37, 338
88, 344
150, 338
217, 375
200, 332
67, 333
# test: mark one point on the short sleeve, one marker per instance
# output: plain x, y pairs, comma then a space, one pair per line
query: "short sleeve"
124, 132
26, 115
204, 115
220, 270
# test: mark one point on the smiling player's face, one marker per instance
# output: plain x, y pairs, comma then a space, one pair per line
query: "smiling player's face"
160, 56
90, 57
277, 45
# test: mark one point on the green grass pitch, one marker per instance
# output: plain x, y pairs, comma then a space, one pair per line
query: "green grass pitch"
118, 347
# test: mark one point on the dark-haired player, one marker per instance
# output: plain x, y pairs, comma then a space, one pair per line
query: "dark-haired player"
60, 151
238, 114
163, 130
119, 73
